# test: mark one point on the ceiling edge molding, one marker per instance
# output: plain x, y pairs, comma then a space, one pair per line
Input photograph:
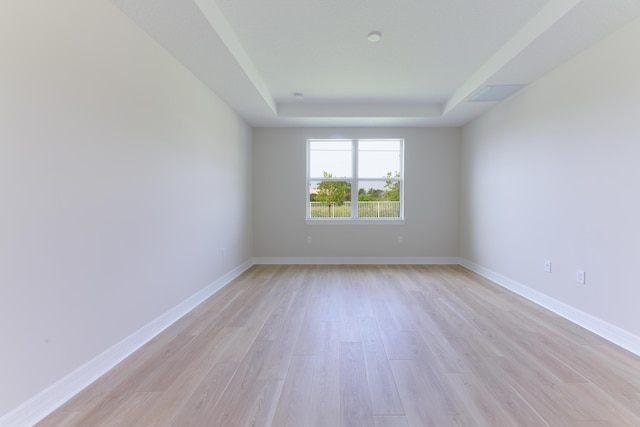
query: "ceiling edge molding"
221, 26
373, 109
532, 30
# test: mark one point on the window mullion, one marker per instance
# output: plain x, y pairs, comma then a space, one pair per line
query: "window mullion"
354, 178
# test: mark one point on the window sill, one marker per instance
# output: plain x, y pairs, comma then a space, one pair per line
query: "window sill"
349, 221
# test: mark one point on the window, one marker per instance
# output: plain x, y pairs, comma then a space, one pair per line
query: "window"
355, 179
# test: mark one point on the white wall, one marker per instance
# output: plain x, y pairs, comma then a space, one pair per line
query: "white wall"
554, 174
432, 176
121, 178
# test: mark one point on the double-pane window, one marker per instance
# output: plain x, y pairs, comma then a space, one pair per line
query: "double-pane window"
355, 179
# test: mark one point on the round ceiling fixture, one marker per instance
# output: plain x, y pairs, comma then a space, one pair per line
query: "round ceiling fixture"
374, 36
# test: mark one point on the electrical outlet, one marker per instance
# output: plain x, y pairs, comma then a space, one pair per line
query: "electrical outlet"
400, 240
224, 252
580, 276
547, 266
309, 240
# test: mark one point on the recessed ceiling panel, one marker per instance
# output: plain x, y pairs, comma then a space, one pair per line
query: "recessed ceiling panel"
431, 56
320, 48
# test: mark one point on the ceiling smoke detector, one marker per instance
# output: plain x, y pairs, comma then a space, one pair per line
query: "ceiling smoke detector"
374, 36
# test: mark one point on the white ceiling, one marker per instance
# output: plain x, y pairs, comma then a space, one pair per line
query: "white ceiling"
434, 54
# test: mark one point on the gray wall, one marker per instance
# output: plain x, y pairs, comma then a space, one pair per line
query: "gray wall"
553, 174
121, 177
432, 176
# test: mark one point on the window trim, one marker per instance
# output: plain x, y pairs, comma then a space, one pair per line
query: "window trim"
354, 179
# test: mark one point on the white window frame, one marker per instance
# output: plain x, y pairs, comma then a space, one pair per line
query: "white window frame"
354, 180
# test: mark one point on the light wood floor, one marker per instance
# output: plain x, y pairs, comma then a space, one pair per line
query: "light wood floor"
381, 346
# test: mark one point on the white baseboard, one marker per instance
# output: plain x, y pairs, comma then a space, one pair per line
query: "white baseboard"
45, 402
356, 260
598, 326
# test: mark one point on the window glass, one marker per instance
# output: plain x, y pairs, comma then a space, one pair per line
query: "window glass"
333, 157
370, 169
377, 158
379, 199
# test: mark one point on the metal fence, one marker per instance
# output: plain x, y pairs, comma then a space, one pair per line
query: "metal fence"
379, 209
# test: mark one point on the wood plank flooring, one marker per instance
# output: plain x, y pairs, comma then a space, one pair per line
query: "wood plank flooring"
365, 345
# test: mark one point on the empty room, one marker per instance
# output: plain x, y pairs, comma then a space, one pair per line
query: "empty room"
319, 213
